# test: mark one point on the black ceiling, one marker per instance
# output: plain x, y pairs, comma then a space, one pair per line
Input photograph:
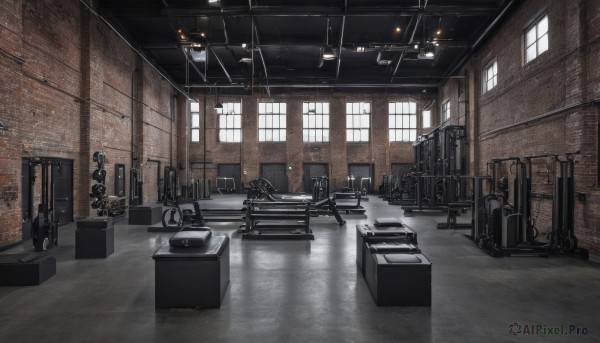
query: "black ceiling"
285, 52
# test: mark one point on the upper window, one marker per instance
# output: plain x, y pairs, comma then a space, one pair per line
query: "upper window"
315, 121
426, 119
358, 121
195, 117
230, 122
490, 76
536, 39
403, 121
271, 121
446, 110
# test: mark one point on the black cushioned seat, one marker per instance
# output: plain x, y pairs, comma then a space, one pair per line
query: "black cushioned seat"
190, 238
392, 247
388, 222
377, 234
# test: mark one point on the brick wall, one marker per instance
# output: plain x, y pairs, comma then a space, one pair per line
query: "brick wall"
294, 152
66, 92
559, 85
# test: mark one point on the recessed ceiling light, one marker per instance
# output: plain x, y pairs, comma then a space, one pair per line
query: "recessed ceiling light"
244, 45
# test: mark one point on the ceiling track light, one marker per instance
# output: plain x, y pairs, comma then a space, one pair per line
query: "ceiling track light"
398, 29
328, 53
218, 104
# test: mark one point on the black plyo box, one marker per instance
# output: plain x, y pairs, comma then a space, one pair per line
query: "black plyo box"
372, 234
192, 276
94, 238
16, 273
145, 214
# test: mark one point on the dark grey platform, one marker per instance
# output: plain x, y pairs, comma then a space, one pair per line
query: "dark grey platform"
145, 214
399, 279
192, 277
26, 269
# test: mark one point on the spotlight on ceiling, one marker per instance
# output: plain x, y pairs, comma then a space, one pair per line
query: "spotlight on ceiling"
213, 1
398, 29
328, 54
360, 49
427, 53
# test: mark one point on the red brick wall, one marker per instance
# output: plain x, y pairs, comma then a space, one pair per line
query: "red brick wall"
563, 79
294, 153
66, 92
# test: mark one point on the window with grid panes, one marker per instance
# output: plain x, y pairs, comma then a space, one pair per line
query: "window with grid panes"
490, 76
271, 122
358, 121
536, 39
195, 122
315, 121
446, 110
426, 119
230, 122
402, 121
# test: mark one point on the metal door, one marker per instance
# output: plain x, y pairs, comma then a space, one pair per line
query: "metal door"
230, 170
63, 190
360, 171
275, 173
312, 170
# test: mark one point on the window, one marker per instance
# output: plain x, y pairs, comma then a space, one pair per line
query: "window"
195, 127
230, 122
446, 110
490, 74
271, 121
536, 39
426, 119
403, 121
315, 121
358, 121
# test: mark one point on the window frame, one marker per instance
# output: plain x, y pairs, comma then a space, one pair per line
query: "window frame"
229, 109
322, 116
493, 67
194, 128
423, 126
446, 113
395, 130
358, 109
534, 26
266, 114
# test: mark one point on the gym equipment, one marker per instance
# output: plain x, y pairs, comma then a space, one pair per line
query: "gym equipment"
100, 204
178, 217
371, 234
261, 191
192, 276
504, 229
145, 214
199, 189
276, 223
196, 238
135, 188
226, 184
44, 229
320, 188
171, 186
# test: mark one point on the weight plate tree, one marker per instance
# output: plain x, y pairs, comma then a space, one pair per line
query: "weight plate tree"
99, 189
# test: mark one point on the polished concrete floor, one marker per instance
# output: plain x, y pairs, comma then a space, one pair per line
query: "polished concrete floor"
301, 291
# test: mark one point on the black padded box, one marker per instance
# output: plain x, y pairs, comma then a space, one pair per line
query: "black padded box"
145, 214
373, 234
94, 238
192, 276
26, 269
399, 279
392, 247
190, 239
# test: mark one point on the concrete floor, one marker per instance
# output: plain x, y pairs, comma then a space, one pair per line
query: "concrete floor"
300, 291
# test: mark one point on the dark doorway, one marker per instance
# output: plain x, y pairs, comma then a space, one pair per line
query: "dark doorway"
275, 173
120, 180
232, 171
312, 170
360, 172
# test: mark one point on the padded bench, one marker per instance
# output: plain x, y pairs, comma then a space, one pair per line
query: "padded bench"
26, 269
372, 234
145, 214
399, 279
192, 276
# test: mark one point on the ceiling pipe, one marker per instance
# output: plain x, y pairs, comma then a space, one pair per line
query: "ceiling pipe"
458, 65
262, 58
221, 64
326, 86
410, 40
339, 57
157, 69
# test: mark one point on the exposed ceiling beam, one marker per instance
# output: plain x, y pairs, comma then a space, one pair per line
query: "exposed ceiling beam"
188, 60
305, 11
317, 86
262, 58
220, 63
339, 56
